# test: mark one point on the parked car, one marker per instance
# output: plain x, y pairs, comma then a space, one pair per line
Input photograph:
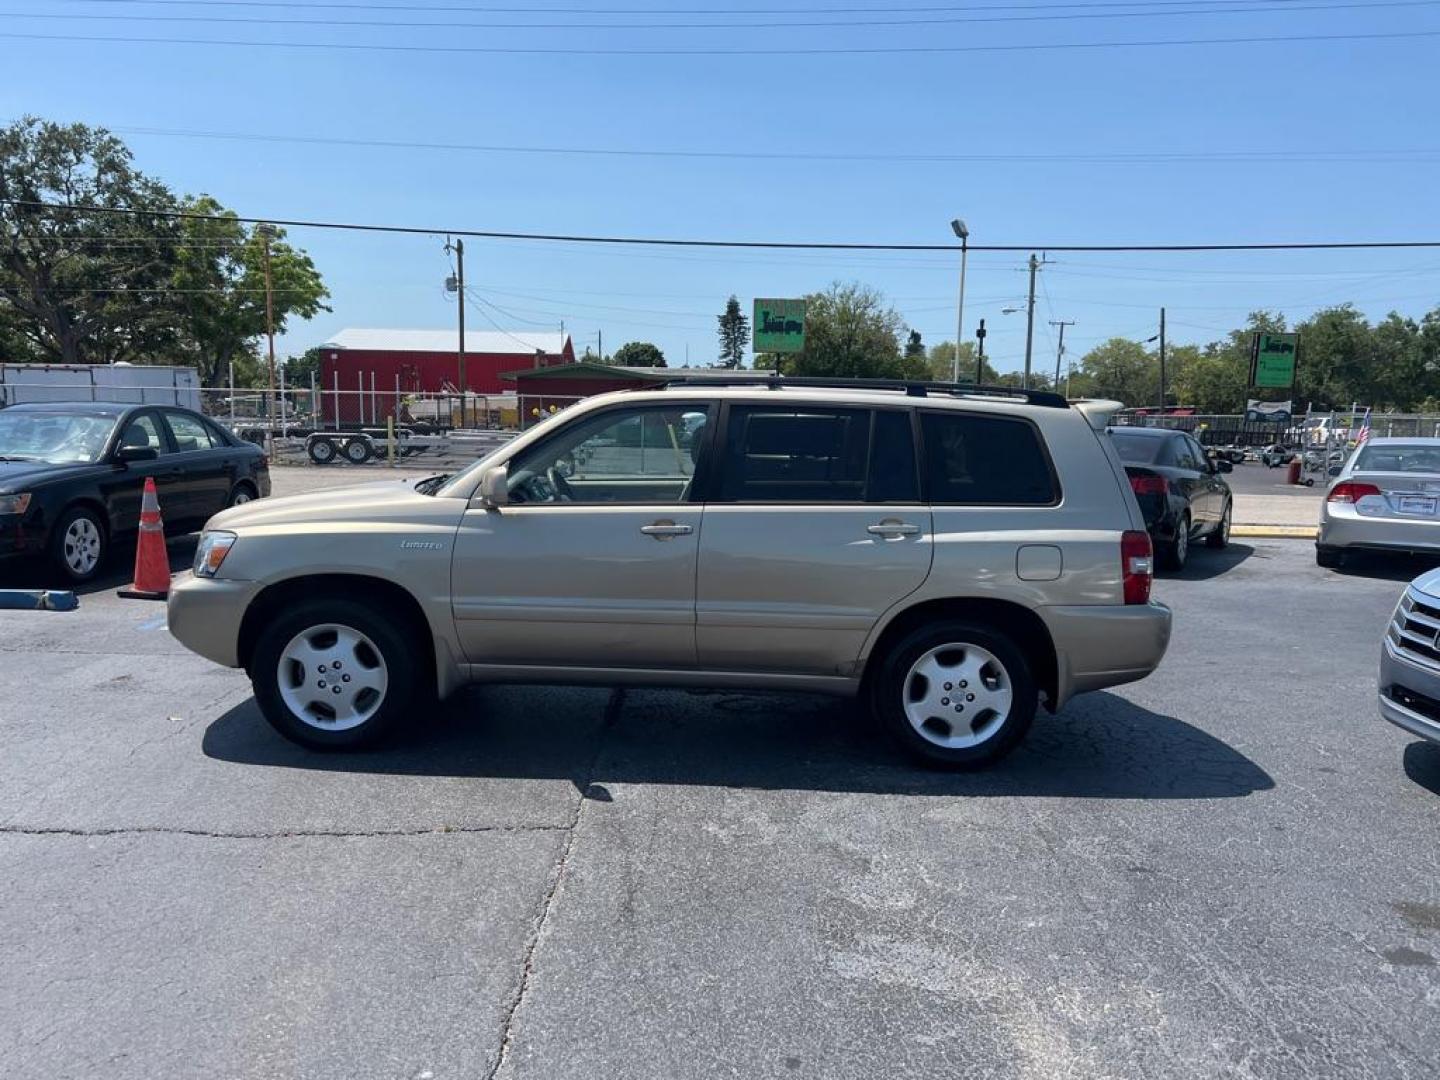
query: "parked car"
1181, 493
1410, 660
72, 473
957, 558
1385, 497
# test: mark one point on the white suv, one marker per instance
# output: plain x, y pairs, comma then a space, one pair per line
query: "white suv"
956, 555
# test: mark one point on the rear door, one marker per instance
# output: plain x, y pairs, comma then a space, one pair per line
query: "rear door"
1187, 476
813, 529
204, 464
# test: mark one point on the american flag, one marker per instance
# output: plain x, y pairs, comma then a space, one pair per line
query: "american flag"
1364, 430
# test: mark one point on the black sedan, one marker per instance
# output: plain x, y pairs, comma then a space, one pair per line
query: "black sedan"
72, 473
1179, 490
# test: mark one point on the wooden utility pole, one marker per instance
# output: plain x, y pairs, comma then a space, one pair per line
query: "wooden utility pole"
1162, 361
1060, 349
1030, 320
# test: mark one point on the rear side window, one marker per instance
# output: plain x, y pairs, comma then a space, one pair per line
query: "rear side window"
190, 433
985, 460
794, 455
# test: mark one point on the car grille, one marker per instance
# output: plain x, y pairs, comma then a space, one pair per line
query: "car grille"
1414, 629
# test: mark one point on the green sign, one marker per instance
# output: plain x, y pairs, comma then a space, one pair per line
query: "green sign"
1272, 360
779, 325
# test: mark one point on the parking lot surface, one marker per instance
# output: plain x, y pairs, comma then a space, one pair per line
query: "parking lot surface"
1226, 870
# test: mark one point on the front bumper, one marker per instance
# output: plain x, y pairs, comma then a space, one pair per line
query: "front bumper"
1342, 528
1409, 693
205, 615
1105, 645
19, 538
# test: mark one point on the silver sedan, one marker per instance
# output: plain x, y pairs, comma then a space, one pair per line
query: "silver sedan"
1385, 498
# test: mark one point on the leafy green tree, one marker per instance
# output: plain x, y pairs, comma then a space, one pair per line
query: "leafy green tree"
734, 334
914, 347
220, 288
89, 287
298, 369
941, 361
638, 354
851, 332
1120, 369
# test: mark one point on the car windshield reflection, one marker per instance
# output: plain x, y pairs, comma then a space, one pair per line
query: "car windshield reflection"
55, 438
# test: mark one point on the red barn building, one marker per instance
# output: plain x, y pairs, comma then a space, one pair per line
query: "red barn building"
370, 368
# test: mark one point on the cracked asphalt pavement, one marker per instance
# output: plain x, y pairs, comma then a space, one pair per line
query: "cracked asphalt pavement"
1229, 869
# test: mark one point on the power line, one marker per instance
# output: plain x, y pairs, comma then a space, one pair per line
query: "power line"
1153, 157
299, 223
1256, 6
905, 50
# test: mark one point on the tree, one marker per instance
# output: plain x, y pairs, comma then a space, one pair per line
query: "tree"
734, 334
851, 332
298, 369
1119, 369
914, 347
220, 288
941, 361
85, 286
638, 354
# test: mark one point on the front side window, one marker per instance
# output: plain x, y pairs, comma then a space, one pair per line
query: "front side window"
143, 431
640, 455
985, 460
190, 433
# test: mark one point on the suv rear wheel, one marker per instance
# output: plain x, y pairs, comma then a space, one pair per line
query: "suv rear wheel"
335, 674
956, 694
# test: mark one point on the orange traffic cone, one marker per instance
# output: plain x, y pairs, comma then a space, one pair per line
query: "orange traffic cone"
152, 563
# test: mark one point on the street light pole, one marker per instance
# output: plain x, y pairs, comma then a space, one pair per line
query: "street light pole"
959, 228
1030, 320
267, 232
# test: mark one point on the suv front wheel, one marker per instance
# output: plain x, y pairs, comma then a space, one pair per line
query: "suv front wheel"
956, 694
334, 674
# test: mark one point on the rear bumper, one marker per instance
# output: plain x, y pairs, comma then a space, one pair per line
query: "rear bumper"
204, 615
1409, 694
1341, 528
1105, 645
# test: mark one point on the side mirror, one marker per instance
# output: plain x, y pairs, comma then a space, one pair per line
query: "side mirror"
127, 454
494, 488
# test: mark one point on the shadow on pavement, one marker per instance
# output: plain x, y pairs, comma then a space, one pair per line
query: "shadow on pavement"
1422, 765
1205, 563
41, 574
1102, 746
1379, 566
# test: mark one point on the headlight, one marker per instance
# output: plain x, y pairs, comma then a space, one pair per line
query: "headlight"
214, 546
14, 504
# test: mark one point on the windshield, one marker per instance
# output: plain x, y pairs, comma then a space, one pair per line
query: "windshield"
1402, 458
55, 438
1136, 449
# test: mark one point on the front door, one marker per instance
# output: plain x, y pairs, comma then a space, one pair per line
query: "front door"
592, 562
125, 485
814, 528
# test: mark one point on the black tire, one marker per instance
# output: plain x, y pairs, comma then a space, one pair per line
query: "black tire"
243, 492
1173, 556
892, 687
1330, 558
322, 451
356, 451
1220, 538
409, 686
89, 532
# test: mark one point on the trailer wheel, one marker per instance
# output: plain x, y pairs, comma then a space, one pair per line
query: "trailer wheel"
322, 451
356, 451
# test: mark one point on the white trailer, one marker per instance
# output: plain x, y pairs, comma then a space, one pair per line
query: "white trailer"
125, 383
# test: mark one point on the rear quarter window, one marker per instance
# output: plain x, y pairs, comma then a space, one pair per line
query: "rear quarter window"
972, 460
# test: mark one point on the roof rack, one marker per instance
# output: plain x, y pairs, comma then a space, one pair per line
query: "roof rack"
912, 388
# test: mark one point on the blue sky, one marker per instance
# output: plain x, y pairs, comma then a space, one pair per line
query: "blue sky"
1346, 129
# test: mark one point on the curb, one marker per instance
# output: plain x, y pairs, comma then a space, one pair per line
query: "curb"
1302, 532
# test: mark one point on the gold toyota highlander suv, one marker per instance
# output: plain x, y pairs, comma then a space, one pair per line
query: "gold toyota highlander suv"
956, 555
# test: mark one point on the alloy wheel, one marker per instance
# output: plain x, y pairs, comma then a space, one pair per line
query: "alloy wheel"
957, 695
332, 677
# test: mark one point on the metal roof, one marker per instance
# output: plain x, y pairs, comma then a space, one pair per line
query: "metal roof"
520, 343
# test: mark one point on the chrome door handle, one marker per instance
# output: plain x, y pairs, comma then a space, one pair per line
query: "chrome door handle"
892, 528
662, 530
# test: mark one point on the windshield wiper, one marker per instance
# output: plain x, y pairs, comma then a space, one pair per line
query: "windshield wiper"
431, 484
16, 457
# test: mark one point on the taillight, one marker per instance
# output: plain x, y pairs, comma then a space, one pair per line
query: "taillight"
1148, 485
1137, 565
264, 461
1350, 492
